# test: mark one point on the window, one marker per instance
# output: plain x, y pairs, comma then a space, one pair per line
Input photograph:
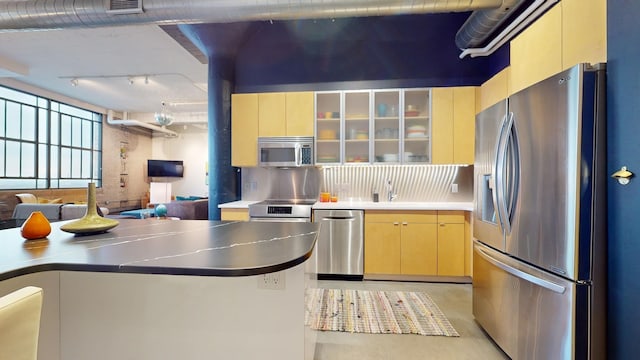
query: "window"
45, 144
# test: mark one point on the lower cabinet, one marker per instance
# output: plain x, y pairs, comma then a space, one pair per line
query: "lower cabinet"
234, 214
414, 243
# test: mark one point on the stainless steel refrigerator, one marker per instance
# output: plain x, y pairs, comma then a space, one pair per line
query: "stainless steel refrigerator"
539, 259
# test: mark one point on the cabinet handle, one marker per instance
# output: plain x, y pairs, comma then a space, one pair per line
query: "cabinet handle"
442, 224
396, 223
405, 223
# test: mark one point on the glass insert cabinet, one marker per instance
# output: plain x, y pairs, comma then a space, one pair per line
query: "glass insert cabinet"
373, 126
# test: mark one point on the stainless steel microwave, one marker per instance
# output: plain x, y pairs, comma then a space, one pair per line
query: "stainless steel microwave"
286, 151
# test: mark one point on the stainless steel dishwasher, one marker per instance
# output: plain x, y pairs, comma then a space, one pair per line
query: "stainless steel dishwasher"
339, 251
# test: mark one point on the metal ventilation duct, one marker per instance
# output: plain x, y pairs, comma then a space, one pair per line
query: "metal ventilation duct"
482, 23
56, 14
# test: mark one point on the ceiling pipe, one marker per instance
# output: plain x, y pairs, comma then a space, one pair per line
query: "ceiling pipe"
146, 125
482, 23
58, 14
537, 8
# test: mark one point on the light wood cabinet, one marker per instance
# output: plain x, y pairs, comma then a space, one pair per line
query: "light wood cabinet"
414, 243
464, 122
381, 248
271, 114
494, 90
451, 243
418, 249
453, 125
267, 114
244, 130
285, 114
584, 32
229, 214
537, 52
299, 113
400, 242
442, 126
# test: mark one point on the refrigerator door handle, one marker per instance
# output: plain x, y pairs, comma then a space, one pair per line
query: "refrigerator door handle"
512, 172
496, 170
521, 274
500, 172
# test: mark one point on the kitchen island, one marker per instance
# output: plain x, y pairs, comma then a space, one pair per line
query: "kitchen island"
152, 289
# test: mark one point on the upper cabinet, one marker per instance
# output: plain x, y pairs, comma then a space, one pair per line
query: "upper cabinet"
453, 125
267, 114
271, 114
584, 32
299, 113
285, 114
571, 32
244, 130
416, 128
378, 126
328, 127
537, 52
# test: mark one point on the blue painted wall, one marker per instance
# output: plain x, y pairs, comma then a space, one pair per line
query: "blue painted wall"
623, 38
395, 51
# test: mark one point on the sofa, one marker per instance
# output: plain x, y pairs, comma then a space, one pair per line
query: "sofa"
53, 212
188, 209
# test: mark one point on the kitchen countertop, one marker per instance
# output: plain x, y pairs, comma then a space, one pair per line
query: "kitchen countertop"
369, 205
241, 204
393, 205
154, 246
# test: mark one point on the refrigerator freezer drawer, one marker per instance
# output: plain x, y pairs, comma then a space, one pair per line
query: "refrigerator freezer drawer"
528, 313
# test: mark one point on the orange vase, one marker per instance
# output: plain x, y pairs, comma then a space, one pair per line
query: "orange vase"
36, 227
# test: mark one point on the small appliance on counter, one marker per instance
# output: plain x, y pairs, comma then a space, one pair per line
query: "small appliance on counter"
285, 151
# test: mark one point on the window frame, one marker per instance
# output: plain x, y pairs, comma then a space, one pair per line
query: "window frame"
54, 160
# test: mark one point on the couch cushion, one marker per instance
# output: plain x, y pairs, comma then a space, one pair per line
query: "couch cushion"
27, 198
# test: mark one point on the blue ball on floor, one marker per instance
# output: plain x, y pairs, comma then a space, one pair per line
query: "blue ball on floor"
161, 210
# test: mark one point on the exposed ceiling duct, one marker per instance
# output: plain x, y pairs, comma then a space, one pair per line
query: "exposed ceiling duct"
482, 23
142, 124
522, 20
57, 14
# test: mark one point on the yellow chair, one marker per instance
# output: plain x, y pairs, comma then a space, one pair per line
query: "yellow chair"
20, 324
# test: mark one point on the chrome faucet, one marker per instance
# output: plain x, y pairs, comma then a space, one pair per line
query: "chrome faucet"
390, 195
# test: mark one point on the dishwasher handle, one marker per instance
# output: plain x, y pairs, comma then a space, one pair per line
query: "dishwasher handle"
347, 218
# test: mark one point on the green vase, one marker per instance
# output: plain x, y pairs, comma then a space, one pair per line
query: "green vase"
92, 222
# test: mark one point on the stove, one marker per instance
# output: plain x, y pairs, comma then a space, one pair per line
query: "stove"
281, 210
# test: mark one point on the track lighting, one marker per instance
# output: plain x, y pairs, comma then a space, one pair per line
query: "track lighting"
74, 82
130, 79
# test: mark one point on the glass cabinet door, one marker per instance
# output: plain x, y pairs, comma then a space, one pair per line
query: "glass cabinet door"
386, 126
417, 126
356, 126
328, 134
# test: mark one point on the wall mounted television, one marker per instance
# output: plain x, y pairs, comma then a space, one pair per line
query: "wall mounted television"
165, 168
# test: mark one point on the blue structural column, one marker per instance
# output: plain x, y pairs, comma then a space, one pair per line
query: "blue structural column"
223, 183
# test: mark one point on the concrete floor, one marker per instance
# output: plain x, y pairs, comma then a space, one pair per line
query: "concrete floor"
455, 302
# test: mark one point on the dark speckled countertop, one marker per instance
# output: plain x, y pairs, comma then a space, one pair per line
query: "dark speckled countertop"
152, 246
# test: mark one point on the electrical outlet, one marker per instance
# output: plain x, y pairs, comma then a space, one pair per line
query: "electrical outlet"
273, 281
454, 188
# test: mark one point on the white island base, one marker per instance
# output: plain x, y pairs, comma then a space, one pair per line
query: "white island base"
93, 315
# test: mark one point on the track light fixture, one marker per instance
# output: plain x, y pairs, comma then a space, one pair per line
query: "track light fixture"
131, 80
74, 82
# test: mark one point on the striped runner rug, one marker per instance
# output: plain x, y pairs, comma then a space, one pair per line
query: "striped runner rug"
375, 312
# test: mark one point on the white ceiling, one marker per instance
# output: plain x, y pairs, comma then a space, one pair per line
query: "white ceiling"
103, 59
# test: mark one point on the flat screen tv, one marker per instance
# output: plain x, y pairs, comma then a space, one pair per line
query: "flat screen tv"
165, 168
